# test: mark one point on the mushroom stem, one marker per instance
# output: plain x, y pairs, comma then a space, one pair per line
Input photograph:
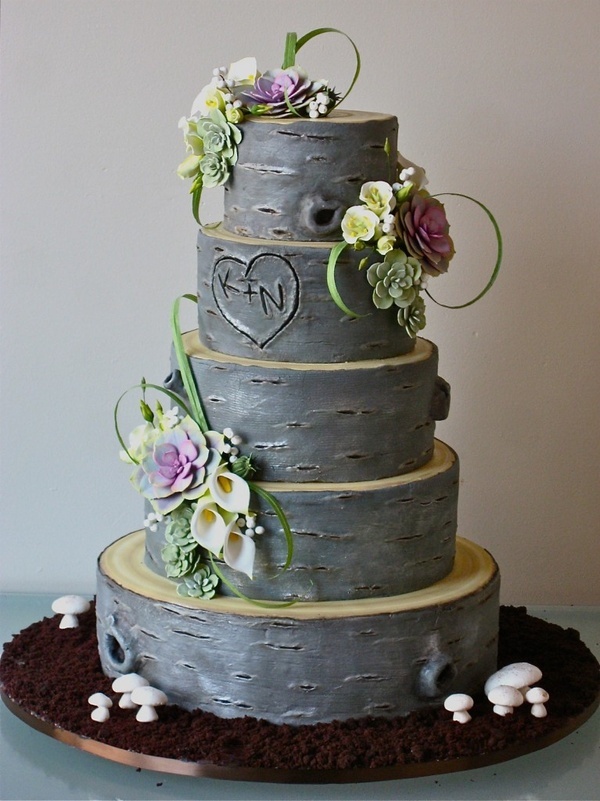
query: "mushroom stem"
146, 714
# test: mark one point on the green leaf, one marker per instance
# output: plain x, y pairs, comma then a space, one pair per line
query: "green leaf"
183, 363
331, 284
274, 504
196, 193
318, 32
240, 594
289, 55
496, 269
290, 108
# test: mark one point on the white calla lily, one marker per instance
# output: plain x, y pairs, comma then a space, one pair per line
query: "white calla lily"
208, 526
242, 72
239, 550
231, 492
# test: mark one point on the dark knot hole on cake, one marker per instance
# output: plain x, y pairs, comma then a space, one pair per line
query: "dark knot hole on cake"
322, 215
117, 653
435, 676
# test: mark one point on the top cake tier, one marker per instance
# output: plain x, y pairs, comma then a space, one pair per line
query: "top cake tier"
295, 177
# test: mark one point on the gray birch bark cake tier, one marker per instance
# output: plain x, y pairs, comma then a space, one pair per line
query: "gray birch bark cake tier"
295, 177
306, 426
271, 301
230, 658
361, 539
297, 503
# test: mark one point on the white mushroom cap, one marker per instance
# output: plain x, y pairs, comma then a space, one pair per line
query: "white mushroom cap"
148, 696
537, 695
70, 606
101, 700
459, 702
518, 674
128, 682
504, 695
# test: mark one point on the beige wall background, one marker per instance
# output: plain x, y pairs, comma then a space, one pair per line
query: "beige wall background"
497, 99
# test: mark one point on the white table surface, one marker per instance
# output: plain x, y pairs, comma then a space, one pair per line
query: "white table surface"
35, 766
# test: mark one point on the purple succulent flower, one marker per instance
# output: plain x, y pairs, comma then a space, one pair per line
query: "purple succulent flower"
175, 466
423, 227
270, 90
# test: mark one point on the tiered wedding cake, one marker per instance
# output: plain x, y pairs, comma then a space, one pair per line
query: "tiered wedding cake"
364, 602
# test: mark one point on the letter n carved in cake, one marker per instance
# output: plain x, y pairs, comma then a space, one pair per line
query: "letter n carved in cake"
258, 298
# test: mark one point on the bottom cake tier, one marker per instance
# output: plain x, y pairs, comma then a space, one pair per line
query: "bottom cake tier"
305, 663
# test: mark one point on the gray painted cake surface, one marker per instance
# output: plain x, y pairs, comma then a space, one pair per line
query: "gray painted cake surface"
270, 300
302, 664
313, 422
361, 540
339, 414
295, 178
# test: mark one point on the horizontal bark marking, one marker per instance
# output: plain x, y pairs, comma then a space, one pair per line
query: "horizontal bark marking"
267, 210
265, 169
150, 635
279, 647
229, 702
312, 137
192, 635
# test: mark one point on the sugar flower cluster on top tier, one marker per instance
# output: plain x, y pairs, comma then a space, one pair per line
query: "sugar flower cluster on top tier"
408, 227
195, 482
211, 131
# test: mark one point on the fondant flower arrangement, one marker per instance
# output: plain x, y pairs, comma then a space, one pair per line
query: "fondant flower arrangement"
408, 227
198, 485
211, 132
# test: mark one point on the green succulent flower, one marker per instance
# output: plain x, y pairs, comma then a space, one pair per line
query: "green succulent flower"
181, 554
219, 136
396, 280
412, 318
180, 562
215, 170
178, 529
202, 584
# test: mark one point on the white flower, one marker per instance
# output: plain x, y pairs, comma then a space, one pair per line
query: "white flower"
239, 551
385, 244
359, 223
217, 532
209, 98
169, 419
208, 526
378, 196
231, 492
242, 72
141, 439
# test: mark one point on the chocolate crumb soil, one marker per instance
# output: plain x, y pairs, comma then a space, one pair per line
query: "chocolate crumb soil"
51, 673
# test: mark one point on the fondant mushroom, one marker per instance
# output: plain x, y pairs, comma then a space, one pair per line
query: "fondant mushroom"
125, 685
537, 697
520, 675
103, 704
70, 606
147, 698
459, 704
505, 699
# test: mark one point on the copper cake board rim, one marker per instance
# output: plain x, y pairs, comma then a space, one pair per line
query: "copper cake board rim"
209, 770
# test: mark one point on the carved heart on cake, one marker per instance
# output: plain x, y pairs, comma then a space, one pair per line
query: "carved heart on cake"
258, 298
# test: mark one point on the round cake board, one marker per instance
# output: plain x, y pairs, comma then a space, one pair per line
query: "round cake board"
515, 741
294, 776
